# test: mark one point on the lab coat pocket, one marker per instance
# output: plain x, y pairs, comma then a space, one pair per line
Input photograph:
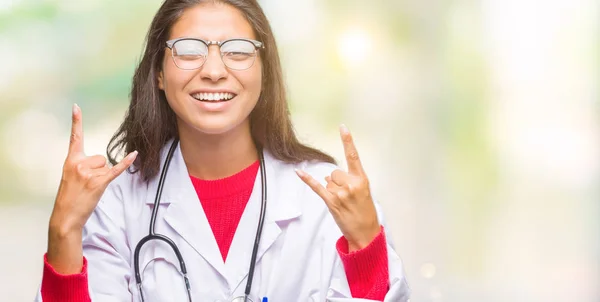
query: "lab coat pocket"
162, 279
338, 289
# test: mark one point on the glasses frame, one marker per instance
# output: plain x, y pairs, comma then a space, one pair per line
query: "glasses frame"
257, 46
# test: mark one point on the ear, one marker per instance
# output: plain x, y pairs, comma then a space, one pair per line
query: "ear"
161, 85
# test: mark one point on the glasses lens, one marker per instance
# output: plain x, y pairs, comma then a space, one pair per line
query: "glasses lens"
238, 54
189, 54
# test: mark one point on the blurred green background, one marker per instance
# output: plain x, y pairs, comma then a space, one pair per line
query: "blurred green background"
478, 123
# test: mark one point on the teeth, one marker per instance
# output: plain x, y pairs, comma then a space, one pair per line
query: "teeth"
221, 96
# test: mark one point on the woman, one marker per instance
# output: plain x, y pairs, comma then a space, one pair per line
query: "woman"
215, 114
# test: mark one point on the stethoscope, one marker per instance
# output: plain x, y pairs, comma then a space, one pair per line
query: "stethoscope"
152, 234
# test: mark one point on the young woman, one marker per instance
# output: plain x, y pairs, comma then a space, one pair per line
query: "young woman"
220, 201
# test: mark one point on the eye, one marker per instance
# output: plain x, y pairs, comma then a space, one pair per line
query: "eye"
237, 55
189, 49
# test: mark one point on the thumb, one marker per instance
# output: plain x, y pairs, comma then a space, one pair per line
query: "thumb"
117, 169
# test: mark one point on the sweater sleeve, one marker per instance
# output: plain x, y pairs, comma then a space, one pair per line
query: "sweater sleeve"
64, 288
367, 269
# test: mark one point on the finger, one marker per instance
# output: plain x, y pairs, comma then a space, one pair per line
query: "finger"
342, 194
117, 169
96, 161
99, 172
340, 191
76, 141
340, 177
330, 184
354, 165
314, 185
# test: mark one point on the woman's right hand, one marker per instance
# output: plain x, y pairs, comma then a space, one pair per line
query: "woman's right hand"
83, 182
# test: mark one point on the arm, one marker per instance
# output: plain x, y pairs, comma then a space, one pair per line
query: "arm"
349, 200
342, 282
83, 182
105, 270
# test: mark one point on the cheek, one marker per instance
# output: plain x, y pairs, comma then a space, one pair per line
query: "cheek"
174, 80
253, 82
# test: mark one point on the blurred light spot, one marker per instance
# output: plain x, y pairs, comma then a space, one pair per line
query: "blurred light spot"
354, 46
9, 67
562, 151
435, 294
7, 4
428, 270
26, 142
545, 129
33, 144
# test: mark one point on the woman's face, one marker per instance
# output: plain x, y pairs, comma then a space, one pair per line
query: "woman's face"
189, 92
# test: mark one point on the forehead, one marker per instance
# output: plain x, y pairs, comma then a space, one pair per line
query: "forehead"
212, 21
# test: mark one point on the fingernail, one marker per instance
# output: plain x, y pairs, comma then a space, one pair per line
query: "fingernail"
344, 128
300, 173
75, 108
133, 154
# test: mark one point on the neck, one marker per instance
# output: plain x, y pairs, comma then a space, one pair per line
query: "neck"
212, 157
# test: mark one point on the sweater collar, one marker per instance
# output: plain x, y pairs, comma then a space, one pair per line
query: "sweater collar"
283, 185
242, 181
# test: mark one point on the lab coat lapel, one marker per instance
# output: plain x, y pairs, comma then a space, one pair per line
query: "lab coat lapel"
186, 215
280, 207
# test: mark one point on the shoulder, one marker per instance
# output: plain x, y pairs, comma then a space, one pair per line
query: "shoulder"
317, 170
127, 182
118, 191
126, 192
130, 185
286, 172
290, 191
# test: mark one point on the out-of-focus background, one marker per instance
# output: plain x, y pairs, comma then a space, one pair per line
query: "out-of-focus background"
478, 123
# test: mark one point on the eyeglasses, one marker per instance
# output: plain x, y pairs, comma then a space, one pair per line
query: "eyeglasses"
236, 54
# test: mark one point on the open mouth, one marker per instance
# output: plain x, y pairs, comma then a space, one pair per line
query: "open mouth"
213, 97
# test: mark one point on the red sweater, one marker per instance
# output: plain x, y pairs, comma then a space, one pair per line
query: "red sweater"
224, 201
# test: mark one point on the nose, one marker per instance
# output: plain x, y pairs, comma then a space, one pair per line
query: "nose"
213, 68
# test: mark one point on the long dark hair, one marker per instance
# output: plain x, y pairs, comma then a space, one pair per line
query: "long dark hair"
149, 122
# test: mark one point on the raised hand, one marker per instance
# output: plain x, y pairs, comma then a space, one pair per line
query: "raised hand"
348, 197
83, 182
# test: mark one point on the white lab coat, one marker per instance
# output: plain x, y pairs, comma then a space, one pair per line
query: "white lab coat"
297, 257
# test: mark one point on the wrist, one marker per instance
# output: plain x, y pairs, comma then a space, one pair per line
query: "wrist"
63, 237
62, 225
64, 232
65, 252
361, 242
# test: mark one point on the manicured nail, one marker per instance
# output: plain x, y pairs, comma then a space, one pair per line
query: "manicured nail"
75, 108
344, 129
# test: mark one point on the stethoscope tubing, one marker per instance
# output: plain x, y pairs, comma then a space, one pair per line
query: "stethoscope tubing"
152, 234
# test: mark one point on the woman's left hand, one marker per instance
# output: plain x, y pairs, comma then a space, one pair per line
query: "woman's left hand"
348, 197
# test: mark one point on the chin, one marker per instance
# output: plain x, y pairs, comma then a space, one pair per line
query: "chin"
217, 126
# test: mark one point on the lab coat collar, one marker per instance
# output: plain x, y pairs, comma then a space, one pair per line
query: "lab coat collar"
186, 215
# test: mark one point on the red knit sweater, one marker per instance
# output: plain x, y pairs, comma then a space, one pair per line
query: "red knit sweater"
224, 201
